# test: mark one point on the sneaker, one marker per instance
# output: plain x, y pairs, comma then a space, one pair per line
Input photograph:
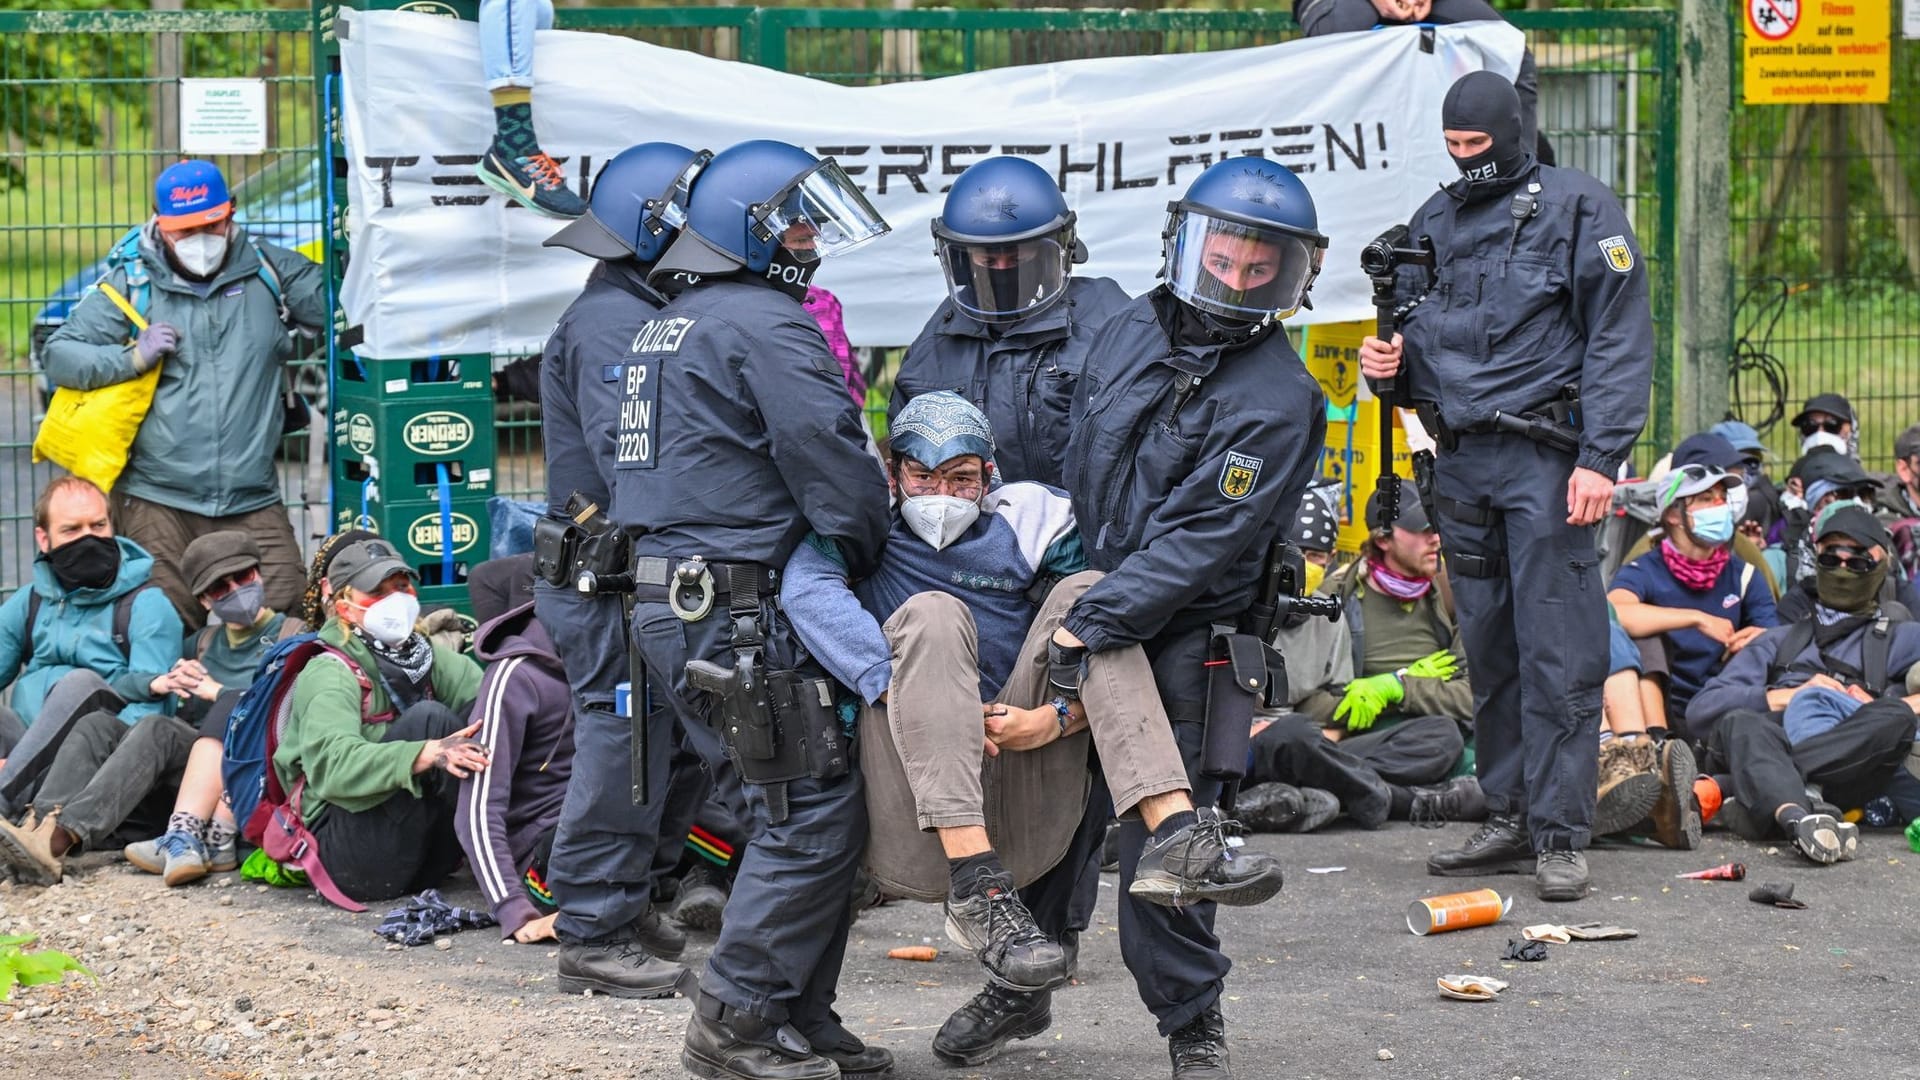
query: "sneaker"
620, 967
1498, 847
1826, 839
992, 922
1629, 785
1199, 1050
533, 180
226, 857
1269, 807
179, 857
1675, 817
1561, 875
1318, 806
148, 855
701, 901
29, 849
1198, 862
1459, 799
981, 1028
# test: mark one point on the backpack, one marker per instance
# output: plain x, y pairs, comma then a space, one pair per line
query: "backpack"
122, 617
269, 815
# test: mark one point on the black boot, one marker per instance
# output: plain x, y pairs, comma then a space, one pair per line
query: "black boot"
845, 1049
702, 900
1199, 1050
1459, 799
658, 936
620, 967
1498, 847
1196, 863
1271, 807
981, 1028
724, 1043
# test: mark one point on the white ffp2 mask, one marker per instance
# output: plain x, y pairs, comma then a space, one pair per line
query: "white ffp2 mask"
939, 519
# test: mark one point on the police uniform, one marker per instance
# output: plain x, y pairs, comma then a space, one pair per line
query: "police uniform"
1022, 378
1185, 461
733, 438
1538, 285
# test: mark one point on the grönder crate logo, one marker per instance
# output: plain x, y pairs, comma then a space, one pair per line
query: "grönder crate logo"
438, 433
424, 534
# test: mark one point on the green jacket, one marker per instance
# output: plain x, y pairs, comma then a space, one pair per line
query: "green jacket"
1431, 616
207, 445
344, 761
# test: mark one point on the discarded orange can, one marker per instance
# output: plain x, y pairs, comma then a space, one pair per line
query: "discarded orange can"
1732, 871
1707, 790
1456, 911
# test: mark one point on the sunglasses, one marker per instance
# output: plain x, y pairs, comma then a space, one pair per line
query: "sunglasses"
225, 585
1835, 558
1829, 425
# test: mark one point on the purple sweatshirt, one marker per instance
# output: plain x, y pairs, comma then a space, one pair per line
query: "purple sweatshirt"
525, 712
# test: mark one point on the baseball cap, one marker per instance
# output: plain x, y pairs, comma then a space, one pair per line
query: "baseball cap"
363, 565
216, 555
1908, 443
1855, 522
190, 194
1831, 404
1686, 481
1412, 516
1707, 448
1741, 436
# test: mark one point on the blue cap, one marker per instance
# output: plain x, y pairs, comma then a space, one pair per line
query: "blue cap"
1707, 448
191, 194
935, 428
1741, 435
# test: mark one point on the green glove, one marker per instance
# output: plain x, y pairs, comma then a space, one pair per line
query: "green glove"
1442, 665
1366, 699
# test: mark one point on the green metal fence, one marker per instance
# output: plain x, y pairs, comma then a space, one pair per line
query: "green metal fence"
85, 99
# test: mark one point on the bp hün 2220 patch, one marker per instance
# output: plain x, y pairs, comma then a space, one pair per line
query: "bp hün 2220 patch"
1239, 474
1619, 254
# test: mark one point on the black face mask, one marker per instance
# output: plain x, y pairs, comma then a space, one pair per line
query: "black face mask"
1484, 101
790, 275
91, 562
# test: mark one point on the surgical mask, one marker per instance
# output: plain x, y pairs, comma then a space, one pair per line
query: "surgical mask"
1824, 438
1844, 590
90, 562
241, 605
1737, 502
1712, 524
1792, 502
939, 519
389, 620
201, 254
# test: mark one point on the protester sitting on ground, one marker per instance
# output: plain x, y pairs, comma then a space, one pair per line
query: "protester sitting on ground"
1823, 477
89, 635
507, 811
1645, 780
1901, 499
498, 586
1764, 508
1690, 604
220, 308
1716, 452
950, 620
1316, 532
1828, 421
201, 835
1817, 705
1371, 744
376, 737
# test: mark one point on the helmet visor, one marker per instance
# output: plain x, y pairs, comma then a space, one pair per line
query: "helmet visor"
1237, 270
821, 214
1003, 283
669, 208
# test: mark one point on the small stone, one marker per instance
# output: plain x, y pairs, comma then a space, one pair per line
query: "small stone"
377, 1015
243, 1004
204, 1025
226, 901
444, 944
1384, 1054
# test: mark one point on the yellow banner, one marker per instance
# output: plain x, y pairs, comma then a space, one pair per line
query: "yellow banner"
1818, 52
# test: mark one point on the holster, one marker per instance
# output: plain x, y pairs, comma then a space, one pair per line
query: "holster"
1430, 418
1423, 482
1242, 673
582, 540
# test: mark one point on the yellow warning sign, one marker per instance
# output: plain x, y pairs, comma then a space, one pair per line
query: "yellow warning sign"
1818, 52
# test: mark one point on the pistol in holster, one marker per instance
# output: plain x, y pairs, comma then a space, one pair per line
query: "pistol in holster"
779, 726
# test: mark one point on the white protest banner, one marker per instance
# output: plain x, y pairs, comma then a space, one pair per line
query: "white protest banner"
440, 264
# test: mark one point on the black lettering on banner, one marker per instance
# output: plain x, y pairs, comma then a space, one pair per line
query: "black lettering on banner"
950, 167
1174, 162
1098, 166
1295, 149
1358, 158
1120, 182
386, 166
639, 402
912, 172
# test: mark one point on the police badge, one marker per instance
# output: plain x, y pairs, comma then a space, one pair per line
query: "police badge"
1239, 474
1619, 255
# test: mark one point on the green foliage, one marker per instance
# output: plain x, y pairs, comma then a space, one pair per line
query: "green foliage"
21, 968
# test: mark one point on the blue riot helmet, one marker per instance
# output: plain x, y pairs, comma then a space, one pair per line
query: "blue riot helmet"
1244, 244
639, 201
937, 427
1006, 241
761, 196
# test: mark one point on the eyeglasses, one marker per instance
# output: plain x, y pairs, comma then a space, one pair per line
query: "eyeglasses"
219, 589
1829, 425
1851, 558
934, 484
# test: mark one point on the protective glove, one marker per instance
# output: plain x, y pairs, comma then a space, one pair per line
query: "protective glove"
1441, 665
155, 341
1366, 699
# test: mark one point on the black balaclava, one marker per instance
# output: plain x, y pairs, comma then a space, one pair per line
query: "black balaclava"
788, 274
1485, 101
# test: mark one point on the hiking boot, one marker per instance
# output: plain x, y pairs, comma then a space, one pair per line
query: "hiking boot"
1459, 799
180, 857
620, 967
724, 1043
845, 1049
658, 936
1199, 1050
29, 849
1197, 862
1561, 875
1629, 785
1826, 839
992, 922
1675, 818
701, 900
1498, 847
533, 180
980, 1029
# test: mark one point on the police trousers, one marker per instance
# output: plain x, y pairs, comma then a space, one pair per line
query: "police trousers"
784, 934
607, 852
921, 753
1533, 617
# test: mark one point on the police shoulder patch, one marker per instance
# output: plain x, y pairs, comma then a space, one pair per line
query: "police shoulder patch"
1619, 254
1239, 474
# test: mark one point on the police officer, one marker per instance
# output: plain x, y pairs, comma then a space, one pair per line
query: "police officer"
601, 869
1196, 429
1013, 332
1538, 296
734, 438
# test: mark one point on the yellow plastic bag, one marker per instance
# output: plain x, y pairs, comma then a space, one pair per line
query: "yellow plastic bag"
90, 432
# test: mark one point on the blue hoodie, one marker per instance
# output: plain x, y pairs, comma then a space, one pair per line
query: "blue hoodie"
73, 631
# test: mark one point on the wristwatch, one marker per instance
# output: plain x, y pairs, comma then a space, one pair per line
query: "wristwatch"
1063, 711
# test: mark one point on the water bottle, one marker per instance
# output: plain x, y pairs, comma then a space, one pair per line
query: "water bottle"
1880, 814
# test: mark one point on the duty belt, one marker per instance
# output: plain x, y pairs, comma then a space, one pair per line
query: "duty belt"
691, 586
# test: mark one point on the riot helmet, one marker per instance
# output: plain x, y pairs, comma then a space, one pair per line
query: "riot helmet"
1244, 244
1005, 239
763, 197
639, 202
